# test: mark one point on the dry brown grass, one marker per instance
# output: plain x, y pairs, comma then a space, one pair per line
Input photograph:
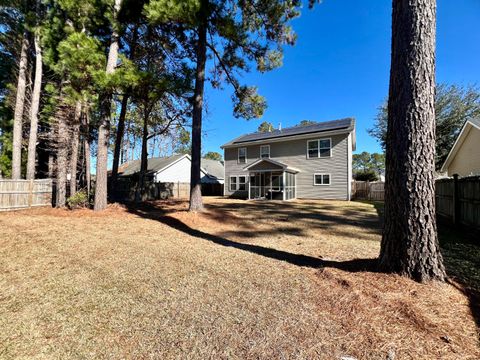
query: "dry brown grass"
244, 280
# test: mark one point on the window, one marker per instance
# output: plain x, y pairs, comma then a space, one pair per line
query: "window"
238, 183
265, 151
242, 155
319, 148
325, 147
312, 149
242, 181
233, 183
321, 179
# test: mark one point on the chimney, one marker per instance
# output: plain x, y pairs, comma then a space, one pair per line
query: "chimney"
280, 126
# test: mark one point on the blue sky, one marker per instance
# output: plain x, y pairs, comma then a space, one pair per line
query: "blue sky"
340, 68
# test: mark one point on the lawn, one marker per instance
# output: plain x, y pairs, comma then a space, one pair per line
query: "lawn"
243, 280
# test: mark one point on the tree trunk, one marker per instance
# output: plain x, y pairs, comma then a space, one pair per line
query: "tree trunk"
86, 147
143, 159
74, 149
119, 141
196, 202
19, 106
104, 128
409, 244
51, 165
37, 86
62, 158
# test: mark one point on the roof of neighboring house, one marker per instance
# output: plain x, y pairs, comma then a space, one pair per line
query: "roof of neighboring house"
154, 164
470, 123
347, 124
213, 168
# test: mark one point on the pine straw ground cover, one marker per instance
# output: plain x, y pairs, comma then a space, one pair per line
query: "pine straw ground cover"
244, 280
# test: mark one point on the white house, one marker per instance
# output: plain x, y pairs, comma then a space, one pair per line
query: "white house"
175, 168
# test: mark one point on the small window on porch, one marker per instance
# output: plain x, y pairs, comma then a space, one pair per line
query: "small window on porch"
242, 155
321, 179
265, 151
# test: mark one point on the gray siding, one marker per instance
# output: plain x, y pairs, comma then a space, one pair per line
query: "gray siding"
294, 154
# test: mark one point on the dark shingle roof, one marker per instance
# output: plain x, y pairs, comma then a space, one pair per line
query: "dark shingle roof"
296, 130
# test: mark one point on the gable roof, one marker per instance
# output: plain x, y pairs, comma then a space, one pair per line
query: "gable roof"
211, 168
344, 125
154, 164
280, 165
469, 124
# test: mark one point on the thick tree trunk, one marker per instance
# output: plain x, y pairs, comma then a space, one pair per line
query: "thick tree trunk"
196, 202
409, 244
62, 159
143, 159
104, 128
74, 148
119, 141
37, 86
19, 107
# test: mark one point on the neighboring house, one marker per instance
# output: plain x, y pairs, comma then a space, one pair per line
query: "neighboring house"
175, 169
464, 157
311, 162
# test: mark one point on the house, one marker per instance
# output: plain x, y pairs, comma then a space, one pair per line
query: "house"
464, 157
175, 169
311, 162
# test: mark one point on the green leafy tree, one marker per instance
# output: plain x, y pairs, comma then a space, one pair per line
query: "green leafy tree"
213, 155
366, 175
265, 127
454, 104
235, 34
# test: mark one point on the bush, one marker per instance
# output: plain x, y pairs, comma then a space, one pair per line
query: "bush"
79, 200
368, 175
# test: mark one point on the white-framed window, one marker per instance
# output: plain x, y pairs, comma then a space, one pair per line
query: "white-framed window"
321, 179
265, 151
319, 148
238, 183
233, 183
242, 155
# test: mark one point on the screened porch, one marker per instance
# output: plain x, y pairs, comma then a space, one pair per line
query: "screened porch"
271, 180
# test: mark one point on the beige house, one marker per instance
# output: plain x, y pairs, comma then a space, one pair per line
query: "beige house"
464, 157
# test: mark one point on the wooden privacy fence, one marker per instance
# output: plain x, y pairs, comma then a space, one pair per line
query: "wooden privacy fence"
365, 190
458, 200
22, 194
126, 188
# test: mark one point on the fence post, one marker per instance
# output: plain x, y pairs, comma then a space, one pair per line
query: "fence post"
456, 201
178, 189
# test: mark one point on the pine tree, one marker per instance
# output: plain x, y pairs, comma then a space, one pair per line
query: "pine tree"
409, 243
234, 33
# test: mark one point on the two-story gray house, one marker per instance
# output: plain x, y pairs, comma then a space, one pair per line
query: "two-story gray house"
309, 162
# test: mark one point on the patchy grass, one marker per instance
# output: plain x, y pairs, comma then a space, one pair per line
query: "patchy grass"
244, 280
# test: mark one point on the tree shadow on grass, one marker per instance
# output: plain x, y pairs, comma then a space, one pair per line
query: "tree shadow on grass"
355, 265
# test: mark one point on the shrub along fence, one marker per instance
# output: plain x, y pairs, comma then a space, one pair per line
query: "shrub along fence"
23, 194
458, 200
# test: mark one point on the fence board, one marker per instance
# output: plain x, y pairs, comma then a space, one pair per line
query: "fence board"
22, 194
365, 190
